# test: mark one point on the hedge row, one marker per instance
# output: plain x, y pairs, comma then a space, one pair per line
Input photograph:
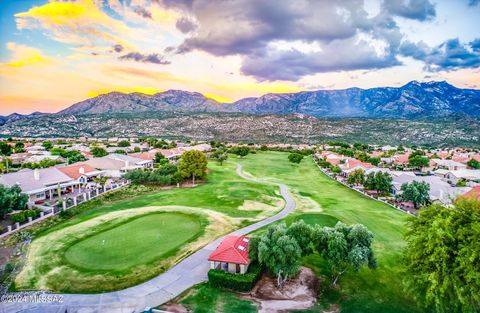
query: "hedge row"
24, 215
238, 282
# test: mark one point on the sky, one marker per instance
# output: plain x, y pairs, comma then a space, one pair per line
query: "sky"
56, 53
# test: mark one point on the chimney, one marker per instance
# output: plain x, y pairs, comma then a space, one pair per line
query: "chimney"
81, 170
36, 174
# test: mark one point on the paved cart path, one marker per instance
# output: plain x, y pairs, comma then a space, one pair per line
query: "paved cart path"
166, 286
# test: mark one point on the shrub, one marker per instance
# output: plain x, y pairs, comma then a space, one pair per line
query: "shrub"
23, 216
18, 217
32, 213
238, 282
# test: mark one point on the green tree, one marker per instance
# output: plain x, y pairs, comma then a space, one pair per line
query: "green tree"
357, 177
193, 164
279, 253
295, 157
302, 233
160, 159
19, 147
416, 192
345, 247
253, 248
336, 170
5, 149
98, 152
72, 156
442, 257
379, 181
240, 151
263, 148
418, 162
11, 198
123, 144
47, 145
220, 155
474, 164
101, 180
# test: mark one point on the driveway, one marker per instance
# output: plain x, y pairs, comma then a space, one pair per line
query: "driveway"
163, 288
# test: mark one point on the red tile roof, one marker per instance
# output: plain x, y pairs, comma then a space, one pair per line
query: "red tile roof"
353, 163
73, 171
146, 156
401, 158
473, 193
232, 249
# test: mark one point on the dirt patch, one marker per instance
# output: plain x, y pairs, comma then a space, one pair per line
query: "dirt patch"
175, 308
265, 209
306, 204
298, 293
5, 254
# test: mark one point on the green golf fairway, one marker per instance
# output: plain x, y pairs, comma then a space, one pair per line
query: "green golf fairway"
139, 241
318, 219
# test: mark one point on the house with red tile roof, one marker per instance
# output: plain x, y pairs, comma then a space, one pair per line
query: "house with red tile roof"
331, 157
146, 156
400, 159
473, 193
231, 255
80, 172
351, 165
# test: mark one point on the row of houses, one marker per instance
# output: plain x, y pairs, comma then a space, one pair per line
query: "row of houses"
45, 186
443, 179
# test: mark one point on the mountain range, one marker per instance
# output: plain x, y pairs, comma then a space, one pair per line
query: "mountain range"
413, 100
16, 117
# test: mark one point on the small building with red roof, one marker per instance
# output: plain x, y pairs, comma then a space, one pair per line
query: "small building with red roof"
231, 255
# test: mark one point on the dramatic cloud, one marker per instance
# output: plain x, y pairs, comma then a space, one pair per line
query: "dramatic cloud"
142, 12
293, 64
185, 25
118, 48
145, 58
251, 29
450, 55
413, 9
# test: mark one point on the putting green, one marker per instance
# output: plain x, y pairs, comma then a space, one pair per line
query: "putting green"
138, 241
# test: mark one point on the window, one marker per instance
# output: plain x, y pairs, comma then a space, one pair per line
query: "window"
241, 248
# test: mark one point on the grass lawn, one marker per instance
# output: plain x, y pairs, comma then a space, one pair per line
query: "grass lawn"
72, 256
224, 191
141, 240
204, 298
323, 201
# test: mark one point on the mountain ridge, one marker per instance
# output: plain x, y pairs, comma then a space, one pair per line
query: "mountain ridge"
414, 99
